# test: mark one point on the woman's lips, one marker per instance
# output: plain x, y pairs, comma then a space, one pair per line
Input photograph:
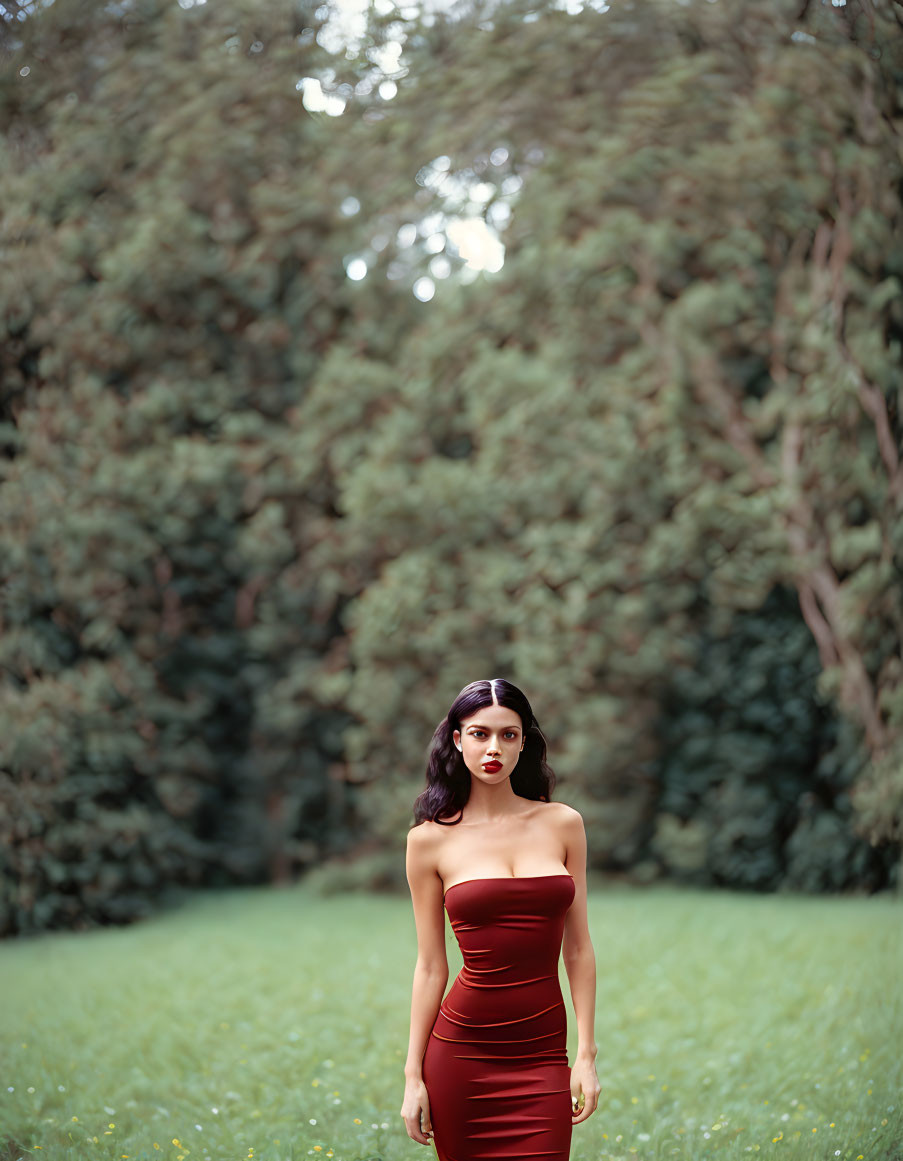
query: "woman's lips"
492, 766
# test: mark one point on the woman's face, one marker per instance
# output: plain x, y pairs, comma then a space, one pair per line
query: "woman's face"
493, 735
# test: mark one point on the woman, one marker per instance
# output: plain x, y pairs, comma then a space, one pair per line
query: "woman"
487, 1074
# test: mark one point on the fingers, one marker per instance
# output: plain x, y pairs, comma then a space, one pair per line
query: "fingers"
419, 1127
578, 1114
426, 1123
414, 1131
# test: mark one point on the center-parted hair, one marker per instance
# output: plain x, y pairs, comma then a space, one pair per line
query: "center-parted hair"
447, 777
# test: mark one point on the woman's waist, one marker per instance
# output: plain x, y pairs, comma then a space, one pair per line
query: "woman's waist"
533, 1017
484, 991
508, 975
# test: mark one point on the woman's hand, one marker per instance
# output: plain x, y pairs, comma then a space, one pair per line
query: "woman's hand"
585, 1083
416, 1111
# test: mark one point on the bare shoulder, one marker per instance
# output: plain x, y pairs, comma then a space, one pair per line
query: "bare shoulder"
423, 842
424, 834
571, 832
564, 815
422, 858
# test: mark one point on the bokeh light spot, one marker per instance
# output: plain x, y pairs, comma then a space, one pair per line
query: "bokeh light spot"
424, 289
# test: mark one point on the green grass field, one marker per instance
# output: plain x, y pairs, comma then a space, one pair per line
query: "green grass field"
265, 1025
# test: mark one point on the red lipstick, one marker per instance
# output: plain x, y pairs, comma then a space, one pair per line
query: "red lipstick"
491, 767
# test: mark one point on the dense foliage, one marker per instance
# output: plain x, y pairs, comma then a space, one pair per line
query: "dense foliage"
260, 521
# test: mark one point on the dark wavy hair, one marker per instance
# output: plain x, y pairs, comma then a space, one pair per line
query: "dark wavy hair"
447, 777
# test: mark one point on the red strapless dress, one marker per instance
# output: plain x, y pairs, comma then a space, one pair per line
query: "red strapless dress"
495, 1067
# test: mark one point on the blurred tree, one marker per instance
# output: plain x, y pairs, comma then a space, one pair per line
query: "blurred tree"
264, 512
173, 276
677, 399
751, 785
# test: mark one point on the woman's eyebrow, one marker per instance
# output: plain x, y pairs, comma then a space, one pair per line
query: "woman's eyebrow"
477, 726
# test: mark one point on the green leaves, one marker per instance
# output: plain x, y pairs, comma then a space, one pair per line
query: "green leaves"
262, 520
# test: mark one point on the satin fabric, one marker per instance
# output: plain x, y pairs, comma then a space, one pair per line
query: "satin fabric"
495, 1065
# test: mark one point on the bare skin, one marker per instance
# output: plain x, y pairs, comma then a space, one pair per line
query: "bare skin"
500, 834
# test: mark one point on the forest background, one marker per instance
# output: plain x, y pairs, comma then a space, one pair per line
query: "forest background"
341, 366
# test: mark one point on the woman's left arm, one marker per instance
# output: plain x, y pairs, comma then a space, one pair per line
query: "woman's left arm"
580, 964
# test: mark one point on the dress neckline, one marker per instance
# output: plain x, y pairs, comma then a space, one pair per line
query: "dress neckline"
513, 879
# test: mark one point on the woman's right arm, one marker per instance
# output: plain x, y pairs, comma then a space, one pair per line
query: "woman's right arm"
430, 975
